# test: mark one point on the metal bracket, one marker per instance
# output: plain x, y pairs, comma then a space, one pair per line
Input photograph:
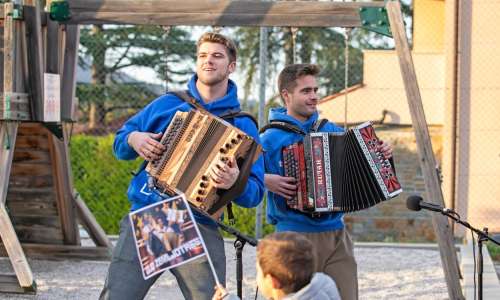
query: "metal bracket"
375, 19
17, 12
59, 10
55, 128
8, 100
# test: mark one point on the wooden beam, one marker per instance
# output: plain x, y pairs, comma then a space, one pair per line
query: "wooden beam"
90, 223
427, 161
63, 183
68, 77
53, 49
9, 284
218, 13
35, 57
8, 60
59, 252
8, 132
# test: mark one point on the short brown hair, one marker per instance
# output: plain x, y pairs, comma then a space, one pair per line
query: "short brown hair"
212, 37
289, 257
289, 75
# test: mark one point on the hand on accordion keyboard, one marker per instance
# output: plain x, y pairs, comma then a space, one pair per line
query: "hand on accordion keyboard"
146, 144
283, 186
224, 174
386, 149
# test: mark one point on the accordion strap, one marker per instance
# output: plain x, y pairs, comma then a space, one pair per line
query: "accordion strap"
318, 124
230, 114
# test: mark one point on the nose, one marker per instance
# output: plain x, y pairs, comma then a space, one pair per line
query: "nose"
314, 96
208, 59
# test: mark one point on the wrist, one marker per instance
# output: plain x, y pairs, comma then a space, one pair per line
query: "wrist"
129, 137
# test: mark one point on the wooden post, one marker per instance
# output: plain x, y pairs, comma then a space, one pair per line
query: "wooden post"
68, 77
8, 132
90, 223
427, 160
35, 56
63, 182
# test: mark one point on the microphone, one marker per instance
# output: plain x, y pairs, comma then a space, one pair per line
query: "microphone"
416, 203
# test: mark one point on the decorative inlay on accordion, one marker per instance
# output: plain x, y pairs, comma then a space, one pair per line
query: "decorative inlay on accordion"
339, 171
195, 142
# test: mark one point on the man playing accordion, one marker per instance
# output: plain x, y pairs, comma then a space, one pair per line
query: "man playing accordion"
216, 93
334, 249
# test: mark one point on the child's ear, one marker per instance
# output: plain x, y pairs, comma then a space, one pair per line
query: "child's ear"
275, 282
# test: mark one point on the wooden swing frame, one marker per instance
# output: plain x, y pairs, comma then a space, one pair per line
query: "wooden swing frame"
213, 13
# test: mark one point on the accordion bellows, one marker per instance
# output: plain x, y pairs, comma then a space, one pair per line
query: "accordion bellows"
195, 141
339, 171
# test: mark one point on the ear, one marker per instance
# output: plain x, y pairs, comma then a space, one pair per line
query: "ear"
286, 96
232, 67
275, 282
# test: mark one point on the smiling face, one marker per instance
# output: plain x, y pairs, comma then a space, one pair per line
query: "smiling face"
213, 64
302, 100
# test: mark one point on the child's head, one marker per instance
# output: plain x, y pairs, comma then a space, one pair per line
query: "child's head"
285, 262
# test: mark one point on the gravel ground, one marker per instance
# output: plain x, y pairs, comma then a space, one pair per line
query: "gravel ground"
384, 273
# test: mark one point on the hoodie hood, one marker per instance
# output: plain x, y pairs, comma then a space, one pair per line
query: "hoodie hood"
227, 103
321, 287
279, 114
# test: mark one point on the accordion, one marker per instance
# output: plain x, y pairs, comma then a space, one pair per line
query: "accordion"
339, 172
195, 142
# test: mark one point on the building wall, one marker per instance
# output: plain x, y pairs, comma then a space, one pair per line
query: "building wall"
428, 36
383, 90
478, 140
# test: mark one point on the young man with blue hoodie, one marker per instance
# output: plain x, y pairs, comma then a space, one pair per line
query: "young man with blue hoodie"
212, 89
334, 249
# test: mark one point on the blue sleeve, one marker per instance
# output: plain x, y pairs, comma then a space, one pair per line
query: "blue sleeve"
121, 148
254, 190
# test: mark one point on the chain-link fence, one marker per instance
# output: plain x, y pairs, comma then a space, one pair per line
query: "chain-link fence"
122, 68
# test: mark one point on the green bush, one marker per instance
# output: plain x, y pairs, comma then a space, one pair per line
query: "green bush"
102, 181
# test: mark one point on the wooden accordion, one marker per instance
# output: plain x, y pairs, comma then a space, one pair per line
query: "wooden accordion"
339, 172
195, 142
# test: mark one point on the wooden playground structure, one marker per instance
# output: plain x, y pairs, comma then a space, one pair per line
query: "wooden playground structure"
39, 209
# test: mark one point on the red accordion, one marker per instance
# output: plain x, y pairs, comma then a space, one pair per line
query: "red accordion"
339, 172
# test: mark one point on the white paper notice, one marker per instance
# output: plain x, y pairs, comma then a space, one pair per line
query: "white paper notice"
52, 97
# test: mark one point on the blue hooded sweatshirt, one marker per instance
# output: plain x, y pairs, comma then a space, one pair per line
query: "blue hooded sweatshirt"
155, 118
278, 214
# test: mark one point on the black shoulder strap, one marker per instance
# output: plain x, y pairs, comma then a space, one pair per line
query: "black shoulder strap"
186, 97
230, 114
239, 114
319, 124
283, 126
293, 128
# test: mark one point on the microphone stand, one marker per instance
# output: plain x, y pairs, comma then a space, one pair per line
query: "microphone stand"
482, 236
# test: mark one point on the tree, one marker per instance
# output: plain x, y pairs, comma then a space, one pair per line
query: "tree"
109, 49
323, 46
